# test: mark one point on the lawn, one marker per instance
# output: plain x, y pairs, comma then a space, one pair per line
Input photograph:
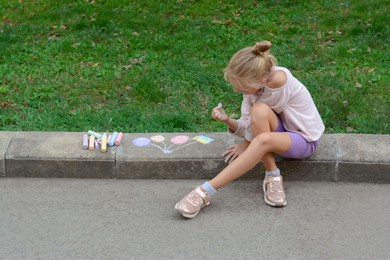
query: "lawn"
156, 66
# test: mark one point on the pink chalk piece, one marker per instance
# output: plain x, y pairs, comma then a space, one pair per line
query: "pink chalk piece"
91, 142
119, 139
180, 139
158, 138
85, 141
141, 141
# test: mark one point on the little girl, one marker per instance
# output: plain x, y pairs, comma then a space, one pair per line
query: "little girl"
278, 116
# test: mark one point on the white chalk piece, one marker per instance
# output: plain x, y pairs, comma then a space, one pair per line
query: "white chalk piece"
85, 141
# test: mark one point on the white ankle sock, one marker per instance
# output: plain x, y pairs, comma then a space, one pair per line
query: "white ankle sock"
275, 172
210, 189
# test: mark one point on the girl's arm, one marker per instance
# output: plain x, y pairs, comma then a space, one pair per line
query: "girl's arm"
236, 127
219, 114
232, 124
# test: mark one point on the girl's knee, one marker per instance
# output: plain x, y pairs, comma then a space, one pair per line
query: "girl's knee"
260, 112
261, 108
263, 139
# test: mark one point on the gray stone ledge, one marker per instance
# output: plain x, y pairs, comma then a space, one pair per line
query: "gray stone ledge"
340, 157
5, 140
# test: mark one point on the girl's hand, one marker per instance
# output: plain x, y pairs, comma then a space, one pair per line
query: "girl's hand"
234, 151
219, 114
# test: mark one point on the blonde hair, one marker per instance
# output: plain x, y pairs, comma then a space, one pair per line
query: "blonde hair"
250, 65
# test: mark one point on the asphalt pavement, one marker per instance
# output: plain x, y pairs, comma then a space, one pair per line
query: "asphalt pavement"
54, 218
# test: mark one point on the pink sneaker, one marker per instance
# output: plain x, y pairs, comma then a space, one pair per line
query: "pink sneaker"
273, 191
191, 204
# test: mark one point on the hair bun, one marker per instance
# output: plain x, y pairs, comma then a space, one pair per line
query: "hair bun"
261, 47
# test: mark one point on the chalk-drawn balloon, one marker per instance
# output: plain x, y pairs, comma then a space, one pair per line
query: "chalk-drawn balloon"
180, 139
158, 138
141, 141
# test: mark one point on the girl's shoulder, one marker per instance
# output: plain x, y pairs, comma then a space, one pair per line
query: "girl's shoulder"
278, 78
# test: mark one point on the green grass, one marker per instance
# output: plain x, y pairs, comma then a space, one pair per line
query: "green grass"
156, 66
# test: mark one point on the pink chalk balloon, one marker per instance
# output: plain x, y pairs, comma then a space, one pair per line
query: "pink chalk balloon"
158, 138
180, 139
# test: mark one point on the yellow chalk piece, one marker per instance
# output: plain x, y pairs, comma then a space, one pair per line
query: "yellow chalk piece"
104, 143
91, 142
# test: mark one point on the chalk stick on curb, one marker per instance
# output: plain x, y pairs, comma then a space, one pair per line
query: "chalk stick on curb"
104, 143
113, 138
119, 139
98, 136
91, 143
85, 142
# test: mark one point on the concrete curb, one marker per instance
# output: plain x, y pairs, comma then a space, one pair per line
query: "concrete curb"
340, 157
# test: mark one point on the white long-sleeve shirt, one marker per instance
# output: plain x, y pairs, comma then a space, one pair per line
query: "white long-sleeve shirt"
293, 104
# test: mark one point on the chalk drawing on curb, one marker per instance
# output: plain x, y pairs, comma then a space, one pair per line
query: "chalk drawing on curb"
176, 142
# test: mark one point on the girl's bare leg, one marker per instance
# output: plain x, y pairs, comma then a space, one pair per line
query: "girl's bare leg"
262, 147
264, 120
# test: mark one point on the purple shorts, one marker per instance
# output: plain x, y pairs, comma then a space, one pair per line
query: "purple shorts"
300, 148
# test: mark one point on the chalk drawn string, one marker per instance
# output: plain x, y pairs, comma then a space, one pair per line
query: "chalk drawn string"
155, 145
184, 146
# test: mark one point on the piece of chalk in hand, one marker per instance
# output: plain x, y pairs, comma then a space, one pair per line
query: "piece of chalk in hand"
219, 104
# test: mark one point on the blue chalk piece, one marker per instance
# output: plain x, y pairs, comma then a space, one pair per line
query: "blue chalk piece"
220, 104
113, 138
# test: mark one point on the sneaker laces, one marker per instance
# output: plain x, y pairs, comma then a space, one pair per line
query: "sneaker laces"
276, 186
195, 199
